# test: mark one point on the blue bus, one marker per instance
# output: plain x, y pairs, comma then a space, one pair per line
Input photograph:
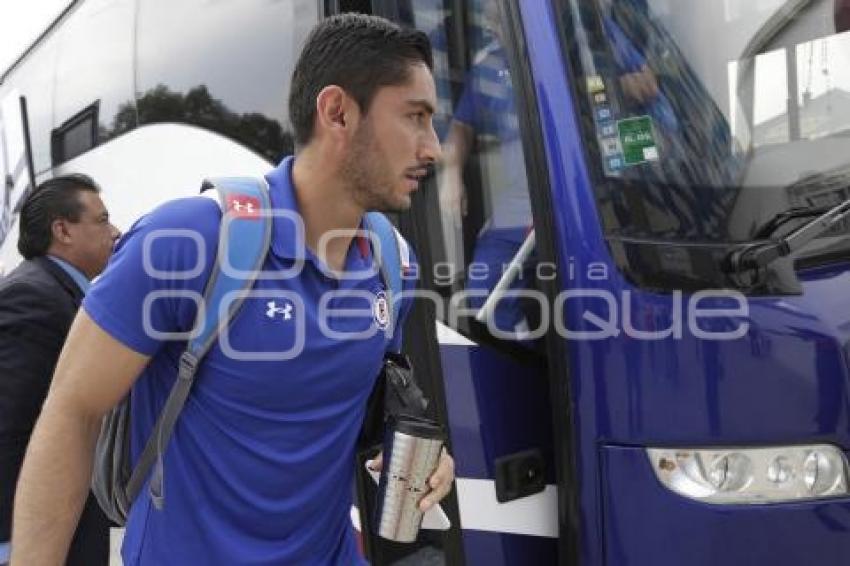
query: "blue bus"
634, 308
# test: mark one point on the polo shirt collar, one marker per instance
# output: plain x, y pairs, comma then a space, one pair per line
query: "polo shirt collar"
284, 230
282, 196
79, 278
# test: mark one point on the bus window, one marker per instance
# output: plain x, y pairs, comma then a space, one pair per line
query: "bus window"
93, 101
236, 84
33, 79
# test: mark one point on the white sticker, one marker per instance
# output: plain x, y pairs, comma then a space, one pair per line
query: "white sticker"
650, 153
595, 84
611, 146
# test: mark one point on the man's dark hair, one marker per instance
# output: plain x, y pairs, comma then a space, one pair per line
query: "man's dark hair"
57, 198
358, 53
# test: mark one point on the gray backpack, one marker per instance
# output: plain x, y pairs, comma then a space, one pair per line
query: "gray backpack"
115, 483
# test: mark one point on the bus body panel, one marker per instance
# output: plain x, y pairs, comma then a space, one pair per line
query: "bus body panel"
498, 408
647, 524
783, 382
501, 549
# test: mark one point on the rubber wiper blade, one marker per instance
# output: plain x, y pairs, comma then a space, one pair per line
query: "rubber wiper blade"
834, 182
760, 254
771, 226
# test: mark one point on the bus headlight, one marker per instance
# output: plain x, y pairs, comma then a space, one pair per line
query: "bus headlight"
823, 474
752, 475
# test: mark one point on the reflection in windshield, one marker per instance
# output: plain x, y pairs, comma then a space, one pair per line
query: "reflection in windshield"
702, 120
696, 137
658, 127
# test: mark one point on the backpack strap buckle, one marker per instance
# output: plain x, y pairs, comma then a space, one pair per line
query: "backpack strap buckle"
188, 366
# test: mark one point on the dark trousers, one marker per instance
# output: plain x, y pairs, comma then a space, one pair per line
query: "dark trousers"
90, 546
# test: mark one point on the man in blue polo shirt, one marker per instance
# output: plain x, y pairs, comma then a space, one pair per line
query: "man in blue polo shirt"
259, 468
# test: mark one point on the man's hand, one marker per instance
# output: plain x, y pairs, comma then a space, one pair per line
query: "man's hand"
452, 194
641, 86
456, 148
440, 481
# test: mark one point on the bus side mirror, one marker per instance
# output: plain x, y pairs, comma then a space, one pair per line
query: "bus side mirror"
842, 15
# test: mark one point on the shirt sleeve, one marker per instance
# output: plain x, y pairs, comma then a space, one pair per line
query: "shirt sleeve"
484, 95
154, 283
625, 52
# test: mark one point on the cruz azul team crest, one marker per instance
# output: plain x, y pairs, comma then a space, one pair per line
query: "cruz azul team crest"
381, 310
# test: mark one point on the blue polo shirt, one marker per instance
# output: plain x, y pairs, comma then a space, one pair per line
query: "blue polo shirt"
260, 467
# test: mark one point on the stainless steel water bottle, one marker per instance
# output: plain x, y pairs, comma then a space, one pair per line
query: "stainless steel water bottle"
411, 454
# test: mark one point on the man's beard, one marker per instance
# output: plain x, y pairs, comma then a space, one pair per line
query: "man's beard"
366, 172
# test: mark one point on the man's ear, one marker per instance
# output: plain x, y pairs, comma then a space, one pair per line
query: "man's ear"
60, 232
336, 111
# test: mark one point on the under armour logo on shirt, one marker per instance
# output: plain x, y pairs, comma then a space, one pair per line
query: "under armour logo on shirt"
274, 310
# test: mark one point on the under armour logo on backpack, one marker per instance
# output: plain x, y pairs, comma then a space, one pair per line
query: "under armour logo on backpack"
274, 310
240, 206
243, 206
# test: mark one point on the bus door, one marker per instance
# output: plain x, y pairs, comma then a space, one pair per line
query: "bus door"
478, 333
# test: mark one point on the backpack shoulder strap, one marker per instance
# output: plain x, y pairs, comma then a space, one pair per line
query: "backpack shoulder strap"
393, 258
243, 244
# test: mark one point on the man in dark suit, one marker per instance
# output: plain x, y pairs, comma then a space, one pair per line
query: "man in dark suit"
66, 239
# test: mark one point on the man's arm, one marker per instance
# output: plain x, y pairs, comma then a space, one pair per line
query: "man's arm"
93, 374
33, 327
456, 150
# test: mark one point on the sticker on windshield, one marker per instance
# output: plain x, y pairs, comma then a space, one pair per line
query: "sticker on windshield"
637, 140
595, 84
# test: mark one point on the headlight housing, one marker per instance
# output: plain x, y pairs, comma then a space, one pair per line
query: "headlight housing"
752, 475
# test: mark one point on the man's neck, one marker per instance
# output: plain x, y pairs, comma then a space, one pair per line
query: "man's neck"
325, 205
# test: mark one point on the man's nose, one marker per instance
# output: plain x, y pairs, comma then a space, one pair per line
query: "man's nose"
114, 232
430, 150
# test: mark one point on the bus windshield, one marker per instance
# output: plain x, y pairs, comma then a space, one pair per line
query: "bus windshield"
705, 120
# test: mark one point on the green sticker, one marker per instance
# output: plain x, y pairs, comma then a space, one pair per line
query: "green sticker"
637, 140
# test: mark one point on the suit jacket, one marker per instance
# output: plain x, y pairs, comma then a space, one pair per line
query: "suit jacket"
38, 302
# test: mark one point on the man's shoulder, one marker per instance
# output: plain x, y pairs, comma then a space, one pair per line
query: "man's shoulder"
192, 213
31, 292
181, 223
30, 276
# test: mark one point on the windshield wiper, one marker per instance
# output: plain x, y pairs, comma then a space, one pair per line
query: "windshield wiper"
771, 226
757, 255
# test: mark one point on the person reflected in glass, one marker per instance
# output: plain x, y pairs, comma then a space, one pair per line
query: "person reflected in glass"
485, 121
